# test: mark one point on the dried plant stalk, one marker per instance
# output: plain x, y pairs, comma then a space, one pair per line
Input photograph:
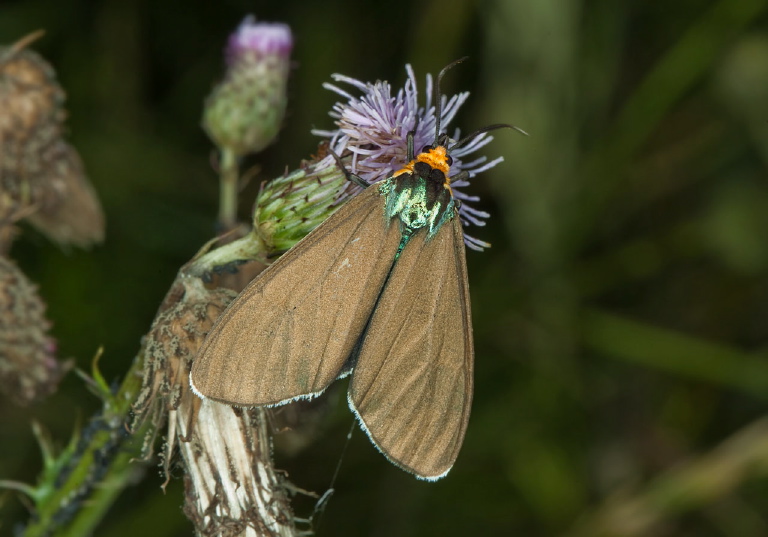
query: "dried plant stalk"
232, 488
231, 485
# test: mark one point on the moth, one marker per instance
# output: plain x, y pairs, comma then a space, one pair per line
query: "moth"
379, 292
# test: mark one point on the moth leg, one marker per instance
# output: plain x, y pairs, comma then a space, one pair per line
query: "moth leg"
409, 141
349, 175
463, 176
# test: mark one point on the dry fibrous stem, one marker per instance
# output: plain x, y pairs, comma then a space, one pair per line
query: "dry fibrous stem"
185, 317
232, 488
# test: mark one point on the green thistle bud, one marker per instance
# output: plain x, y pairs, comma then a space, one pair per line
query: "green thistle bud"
244, 112
291, 206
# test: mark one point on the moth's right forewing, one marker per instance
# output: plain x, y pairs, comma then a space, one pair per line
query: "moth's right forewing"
290, 331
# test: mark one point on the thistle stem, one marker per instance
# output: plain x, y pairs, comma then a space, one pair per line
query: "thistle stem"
247, 248
228, 186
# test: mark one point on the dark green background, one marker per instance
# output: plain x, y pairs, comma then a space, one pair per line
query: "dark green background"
620, 317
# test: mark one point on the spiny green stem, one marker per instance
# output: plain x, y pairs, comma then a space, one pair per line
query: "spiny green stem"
98, 470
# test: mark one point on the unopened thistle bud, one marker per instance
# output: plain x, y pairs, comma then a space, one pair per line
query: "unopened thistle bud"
291, 206
244, 112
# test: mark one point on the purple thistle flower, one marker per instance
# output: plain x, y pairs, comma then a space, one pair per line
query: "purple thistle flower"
374, 128
260, 39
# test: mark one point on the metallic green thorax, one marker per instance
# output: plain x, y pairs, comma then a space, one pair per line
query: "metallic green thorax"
420, 199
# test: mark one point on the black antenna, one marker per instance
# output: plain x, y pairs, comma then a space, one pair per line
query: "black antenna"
469, 137
438, 99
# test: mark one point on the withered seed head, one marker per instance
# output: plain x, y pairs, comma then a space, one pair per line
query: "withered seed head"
40, 174
68, 210
32, 102
176, 334
28, 366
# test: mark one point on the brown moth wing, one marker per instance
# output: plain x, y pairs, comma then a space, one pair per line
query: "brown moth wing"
289, 332
412, 385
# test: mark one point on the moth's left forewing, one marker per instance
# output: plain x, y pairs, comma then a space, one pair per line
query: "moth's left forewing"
290, 332
412, 386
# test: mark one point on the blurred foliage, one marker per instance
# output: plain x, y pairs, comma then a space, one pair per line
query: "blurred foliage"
620, 317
